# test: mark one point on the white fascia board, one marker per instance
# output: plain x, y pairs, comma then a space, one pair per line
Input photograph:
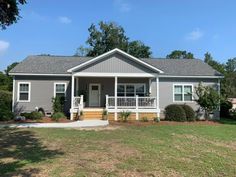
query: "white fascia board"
95, 74
38, 74
172, 76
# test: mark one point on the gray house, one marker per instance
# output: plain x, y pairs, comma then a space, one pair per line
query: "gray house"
115, 81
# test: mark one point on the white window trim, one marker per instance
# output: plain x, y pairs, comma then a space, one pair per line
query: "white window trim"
182, 85
145, 91
18, 92
55, 83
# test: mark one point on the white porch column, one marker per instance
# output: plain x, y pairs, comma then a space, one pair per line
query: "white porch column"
13, 94
150, 86
115, 91
77, 87
157, 97
72, 96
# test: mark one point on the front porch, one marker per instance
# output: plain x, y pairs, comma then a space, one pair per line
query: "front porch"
93, 95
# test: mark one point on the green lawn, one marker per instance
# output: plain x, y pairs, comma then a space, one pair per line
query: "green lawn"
166, 150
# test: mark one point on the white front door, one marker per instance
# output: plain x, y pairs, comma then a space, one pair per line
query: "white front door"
94, 95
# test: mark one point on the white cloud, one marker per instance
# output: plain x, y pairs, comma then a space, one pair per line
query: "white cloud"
122, 5
3, 46
195, 35
65, 20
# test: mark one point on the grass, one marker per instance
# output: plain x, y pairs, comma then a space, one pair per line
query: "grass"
167, 150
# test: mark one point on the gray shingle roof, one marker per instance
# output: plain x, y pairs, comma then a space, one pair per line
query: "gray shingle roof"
41, 64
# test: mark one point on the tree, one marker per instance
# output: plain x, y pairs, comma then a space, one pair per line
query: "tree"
10, 67
107, 36
139, 49
180, 54
208, 57
214, 64
207, 98
82, 51
231, 65
9, 12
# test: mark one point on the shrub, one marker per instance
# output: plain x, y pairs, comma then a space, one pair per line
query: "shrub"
225, 108
5, 106
26, 115
124, 115
144, 119
42, 111
58, 104
233, 113
156, 119
58, 115
104, 114
175, 112
189, 112
34, 115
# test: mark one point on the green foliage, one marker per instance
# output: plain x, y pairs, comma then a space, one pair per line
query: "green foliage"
5, 105
10, 67
190, 114
27, 115
144, 119
139, 49
225, 108
34, 115
175, 112
231, 65
58, 104
104, 114
107, 36
82, 51
233, 113
9, 12
228, 85
58, 115
180, 54
214, 64
124, 116
156, 119
207, 98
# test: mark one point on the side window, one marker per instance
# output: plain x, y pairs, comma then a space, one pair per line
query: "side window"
23, 92
60, 89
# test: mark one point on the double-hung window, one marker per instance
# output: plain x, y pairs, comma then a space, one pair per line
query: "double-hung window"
131, 90
23, 92
183, 92
59, 89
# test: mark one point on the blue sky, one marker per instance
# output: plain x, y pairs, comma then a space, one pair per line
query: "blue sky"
58, 27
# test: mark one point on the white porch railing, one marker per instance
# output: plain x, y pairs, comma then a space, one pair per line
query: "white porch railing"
78, 102
131, 102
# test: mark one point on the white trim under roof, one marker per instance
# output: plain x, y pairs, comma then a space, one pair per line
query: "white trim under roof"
37, 74
96, 74
111, 52
173, 76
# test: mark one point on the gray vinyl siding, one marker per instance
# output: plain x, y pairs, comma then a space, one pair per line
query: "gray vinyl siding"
42, 92
116, 64
166, 89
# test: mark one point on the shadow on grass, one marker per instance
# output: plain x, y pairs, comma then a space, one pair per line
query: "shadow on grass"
227, 121
19, 148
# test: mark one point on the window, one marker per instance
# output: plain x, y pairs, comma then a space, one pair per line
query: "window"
23, 91
59, 89
131, 90
183, 92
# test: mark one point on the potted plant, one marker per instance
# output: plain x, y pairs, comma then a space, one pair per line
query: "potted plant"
81, 115
104, 114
